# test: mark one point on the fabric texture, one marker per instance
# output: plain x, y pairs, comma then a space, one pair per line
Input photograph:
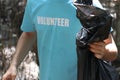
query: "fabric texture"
56, 25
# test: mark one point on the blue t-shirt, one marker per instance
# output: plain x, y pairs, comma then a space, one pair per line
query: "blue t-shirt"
56, 25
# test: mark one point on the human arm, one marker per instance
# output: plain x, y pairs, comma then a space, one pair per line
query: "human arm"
105, 50
24, 44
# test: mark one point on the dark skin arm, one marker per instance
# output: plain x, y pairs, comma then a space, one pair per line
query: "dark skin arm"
24, 44
105, 50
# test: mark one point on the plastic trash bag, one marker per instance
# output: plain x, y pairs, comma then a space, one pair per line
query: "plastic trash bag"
96, 27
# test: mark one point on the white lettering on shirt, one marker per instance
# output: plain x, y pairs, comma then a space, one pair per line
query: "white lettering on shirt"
49, 21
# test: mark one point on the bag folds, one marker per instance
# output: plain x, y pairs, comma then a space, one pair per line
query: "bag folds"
96, 27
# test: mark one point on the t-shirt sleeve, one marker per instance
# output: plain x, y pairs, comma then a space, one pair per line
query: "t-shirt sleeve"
27, 23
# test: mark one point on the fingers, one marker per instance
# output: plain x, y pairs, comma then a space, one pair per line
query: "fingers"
97, 53
6, 77
98, 44
13, 77
98, 49
9, 77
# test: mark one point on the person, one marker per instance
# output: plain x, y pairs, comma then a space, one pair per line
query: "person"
54, 24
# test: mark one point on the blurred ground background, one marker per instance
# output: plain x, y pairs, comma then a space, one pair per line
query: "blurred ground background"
11, 14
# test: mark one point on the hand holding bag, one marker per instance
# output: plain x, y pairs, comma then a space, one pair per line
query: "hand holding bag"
96, 27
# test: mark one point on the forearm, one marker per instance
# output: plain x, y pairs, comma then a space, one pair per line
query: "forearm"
111, 51
24, 44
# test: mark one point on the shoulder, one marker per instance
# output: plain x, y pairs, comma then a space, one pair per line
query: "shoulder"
30, 2
34, 3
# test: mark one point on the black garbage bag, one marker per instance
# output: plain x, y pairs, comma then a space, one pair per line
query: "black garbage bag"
96, 27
